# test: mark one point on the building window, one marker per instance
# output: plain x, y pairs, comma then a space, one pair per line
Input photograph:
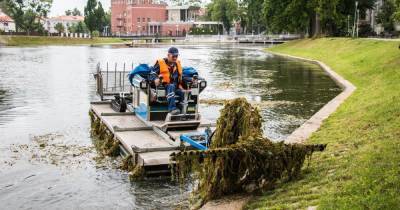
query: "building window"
148, 19
143, 20
138, 19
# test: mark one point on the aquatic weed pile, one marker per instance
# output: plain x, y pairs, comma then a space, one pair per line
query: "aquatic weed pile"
239, 158
107, 145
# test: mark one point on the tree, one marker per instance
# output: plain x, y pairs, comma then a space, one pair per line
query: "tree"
76, 12
90, 15
60, 28
27, 14
100, 17
315, 17
396, 14
243, 17
95, 17
224, 11
78, 28
68, 12
385, 15
255, 20
292, 16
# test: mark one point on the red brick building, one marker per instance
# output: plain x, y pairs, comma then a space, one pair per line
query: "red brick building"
144, 17
133, 16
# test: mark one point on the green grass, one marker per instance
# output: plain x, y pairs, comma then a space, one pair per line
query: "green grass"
361, 167
43, 40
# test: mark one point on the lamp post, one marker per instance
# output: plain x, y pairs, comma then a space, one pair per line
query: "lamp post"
355, 19
348, 25
358, 19
105, 30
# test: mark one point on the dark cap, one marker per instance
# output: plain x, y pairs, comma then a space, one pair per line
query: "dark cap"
173, 51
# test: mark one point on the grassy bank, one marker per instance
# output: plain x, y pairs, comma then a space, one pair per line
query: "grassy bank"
43, 40
361, 166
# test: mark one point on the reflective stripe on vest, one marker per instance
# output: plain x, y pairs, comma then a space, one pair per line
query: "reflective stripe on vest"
164, 71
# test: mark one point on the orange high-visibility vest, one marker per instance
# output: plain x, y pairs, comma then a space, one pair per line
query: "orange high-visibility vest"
164, 71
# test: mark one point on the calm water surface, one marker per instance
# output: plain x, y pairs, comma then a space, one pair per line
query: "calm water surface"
47, 158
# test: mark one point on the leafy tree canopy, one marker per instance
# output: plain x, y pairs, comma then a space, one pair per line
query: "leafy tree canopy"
224, 11
95, 16
59, 27
27, 14
74, 12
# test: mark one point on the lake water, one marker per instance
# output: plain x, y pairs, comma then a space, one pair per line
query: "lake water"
47, 158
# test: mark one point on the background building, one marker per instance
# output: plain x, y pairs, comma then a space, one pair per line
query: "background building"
148, 18
371, 18
67, 21
7, 24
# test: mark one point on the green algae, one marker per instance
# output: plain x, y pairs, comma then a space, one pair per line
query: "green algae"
106, 144
239, 158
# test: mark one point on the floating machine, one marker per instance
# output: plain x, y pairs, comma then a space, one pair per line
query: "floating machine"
136, 112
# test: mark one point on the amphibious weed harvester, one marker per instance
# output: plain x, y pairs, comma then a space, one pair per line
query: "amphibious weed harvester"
135, 111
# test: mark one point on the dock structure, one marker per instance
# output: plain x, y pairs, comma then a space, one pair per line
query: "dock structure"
149, 144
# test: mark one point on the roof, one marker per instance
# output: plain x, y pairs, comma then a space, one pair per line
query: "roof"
5, 18
67, 18
182, 7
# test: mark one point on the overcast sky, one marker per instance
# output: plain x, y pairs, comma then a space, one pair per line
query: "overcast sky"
60, 6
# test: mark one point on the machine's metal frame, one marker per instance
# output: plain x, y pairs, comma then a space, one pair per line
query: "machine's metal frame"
148, 104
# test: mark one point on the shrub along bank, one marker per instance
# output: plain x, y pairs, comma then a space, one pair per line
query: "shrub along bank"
45, 40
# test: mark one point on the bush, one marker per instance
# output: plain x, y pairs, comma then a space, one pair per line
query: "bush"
202, 31
365, 30
95, 34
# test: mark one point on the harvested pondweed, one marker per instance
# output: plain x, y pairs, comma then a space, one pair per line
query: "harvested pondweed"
137, 173
106, 144
127, 163
239, 158
261, 104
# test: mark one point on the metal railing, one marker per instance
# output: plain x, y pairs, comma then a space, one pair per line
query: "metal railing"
112, 79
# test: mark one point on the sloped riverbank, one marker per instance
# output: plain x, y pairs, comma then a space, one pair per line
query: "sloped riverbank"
360, 166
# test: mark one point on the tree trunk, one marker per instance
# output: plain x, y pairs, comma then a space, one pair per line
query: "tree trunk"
315, 26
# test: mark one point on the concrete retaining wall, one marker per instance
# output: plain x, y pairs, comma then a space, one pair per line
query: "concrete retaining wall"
301, 134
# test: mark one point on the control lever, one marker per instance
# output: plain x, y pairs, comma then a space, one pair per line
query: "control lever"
185, 101
195, 79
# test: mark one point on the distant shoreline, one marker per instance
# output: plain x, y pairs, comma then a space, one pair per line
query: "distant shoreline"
20, 41
29, 41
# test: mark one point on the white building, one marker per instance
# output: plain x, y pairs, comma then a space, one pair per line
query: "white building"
67, 21
371, 16
6, 23
183, 13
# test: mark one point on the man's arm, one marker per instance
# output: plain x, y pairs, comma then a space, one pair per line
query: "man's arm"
154, 76
156, 68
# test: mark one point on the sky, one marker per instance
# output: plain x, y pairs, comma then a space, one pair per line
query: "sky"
60, 6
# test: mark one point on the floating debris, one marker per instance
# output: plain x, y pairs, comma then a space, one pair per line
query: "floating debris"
225, 85
212, 101
239, 158
52, 149
261, 104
